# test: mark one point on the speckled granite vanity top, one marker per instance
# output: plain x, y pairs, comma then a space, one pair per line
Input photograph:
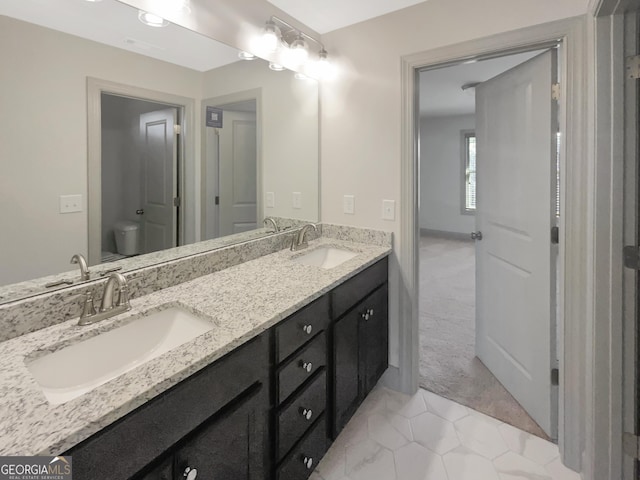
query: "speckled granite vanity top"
241, 301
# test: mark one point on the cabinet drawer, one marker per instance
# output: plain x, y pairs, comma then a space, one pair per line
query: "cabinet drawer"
163, 423
353, 290
301, 367
301, 327
306, 456
300, 414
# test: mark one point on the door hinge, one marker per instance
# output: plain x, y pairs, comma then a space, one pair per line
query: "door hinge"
177, 129
555, 377
555, 91
633, 67
176, 201
555, 235
217, 200
631, 255
631, 444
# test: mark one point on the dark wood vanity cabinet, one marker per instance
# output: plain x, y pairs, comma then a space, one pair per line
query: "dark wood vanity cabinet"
360, 340
265, 411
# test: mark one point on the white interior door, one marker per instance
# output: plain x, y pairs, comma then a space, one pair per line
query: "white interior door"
238, 210
158, 153
516, 125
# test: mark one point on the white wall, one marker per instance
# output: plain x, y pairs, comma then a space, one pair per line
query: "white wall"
43, 146
288, 125
441, 170
360, 109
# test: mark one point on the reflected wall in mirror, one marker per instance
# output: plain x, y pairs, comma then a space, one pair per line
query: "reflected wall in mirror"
45, 154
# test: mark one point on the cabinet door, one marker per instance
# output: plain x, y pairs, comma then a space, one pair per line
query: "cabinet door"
346, 391
374, 338
232, 446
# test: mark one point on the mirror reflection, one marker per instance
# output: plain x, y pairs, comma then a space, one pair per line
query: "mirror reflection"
120, 139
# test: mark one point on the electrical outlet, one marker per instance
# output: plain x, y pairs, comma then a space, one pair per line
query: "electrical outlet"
388, 209
349, 204
70, 203
297, 200
270, 199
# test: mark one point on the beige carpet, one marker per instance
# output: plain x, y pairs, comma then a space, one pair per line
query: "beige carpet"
448, 365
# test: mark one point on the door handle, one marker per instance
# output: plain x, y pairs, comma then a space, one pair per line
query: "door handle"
476, 235
140, 211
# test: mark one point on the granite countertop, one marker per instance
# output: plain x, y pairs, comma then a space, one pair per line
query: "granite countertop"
241, 301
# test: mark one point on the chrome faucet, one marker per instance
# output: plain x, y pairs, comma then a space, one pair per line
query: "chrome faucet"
299, 240
108, 308
273, 222
84, 270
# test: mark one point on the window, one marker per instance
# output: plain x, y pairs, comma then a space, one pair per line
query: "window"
469, 186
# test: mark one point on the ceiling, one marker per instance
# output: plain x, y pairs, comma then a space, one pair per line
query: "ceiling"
441, 91
327, 15
116, 24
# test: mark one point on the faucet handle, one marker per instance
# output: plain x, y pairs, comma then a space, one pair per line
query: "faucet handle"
123, 297
88, 309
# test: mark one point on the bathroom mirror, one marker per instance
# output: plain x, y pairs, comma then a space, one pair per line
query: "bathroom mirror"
66, 115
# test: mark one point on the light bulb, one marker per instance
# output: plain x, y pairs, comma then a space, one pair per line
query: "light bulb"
323, 69
276, 67
298, 51
246, 56
151, 20
270, 37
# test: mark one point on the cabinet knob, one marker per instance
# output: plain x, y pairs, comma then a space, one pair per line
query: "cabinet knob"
190, 473
307, 329
365, 315
308, 462
371, 312
307, 413
307, 366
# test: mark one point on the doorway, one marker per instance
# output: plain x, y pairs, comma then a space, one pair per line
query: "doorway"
472, 350
140, 184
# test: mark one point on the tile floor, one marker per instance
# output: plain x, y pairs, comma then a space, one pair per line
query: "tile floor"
427, 437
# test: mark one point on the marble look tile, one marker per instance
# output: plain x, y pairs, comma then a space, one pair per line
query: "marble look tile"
375, 402
405, 405
512, 466
356, 431
434, 433
333, 464
463, 464
480, 437
529, 446
414, 462
559, 472
383, 431
443, 407
370, 461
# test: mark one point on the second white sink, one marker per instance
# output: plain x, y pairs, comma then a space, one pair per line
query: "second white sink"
81, 367
325, 257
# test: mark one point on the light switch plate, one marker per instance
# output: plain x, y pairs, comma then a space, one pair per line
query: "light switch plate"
270, 199
297, 200
349, 204
388, 209
70, 203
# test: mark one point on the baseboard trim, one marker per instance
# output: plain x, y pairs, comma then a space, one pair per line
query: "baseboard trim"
391, 379
444, 234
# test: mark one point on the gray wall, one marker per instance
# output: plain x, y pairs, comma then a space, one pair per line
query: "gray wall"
441, 171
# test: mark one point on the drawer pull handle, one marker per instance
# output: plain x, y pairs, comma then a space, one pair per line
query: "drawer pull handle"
307, 329
190, 473
307, 413
308, 462
306, 366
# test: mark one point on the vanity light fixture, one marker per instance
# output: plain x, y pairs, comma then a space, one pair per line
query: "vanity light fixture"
246, 56
276, 67
278, 32
151, 19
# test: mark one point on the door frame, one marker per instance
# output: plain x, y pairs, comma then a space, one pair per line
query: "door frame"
575, 222
245, 95
186, 154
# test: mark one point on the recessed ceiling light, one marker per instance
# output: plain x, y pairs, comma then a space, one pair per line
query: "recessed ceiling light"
246, 56
152, 20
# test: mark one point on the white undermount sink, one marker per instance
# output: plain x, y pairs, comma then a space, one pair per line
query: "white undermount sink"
79, 368
325, 257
